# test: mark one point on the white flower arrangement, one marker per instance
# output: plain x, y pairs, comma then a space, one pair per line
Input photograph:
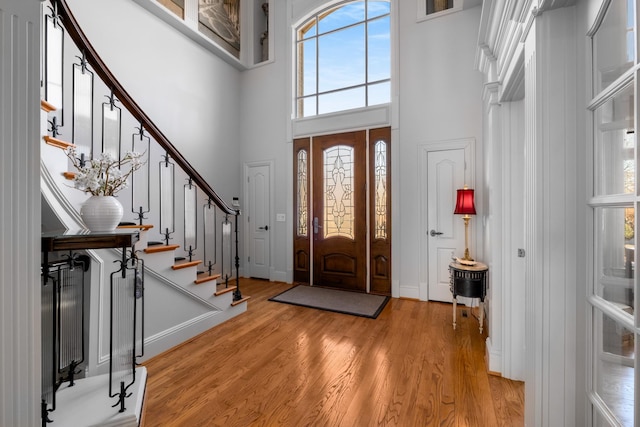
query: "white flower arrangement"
104, 175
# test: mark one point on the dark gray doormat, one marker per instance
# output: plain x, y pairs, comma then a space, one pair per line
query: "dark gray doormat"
347, 302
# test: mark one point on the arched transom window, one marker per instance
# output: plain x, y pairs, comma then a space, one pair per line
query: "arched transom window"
343, 58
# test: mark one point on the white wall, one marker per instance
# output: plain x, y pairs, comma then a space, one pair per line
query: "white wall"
191, 94
263, 135
439, 99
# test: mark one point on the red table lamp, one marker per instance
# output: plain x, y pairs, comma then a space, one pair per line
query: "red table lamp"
465, 206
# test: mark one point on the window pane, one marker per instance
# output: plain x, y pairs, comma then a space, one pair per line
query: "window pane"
339, 54
307, 61
615, 139
613, 44
379, 49
599, 420
307, 107
341, 59
615, 258
378, 8
613, 356
338, 190
342, 100
380, 93
307, 30
341, 17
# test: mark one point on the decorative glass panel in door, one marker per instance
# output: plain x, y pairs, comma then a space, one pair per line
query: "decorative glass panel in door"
380, 211
301, 194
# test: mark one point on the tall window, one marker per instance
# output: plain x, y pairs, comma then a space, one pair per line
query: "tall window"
344, 58
614, 203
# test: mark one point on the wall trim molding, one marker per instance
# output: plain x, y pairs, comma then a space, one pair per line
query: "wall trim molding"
20, 217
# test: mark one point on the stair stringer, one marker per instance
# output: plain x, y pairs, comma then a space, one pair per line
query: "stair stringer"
173, 314
57, 190
219, 310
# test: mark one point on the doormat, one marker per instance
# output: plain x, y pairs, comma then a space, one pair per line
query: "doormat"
338, 301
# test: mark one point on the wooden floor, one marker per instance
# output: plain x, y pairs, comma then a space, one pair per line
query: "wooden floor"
283, 365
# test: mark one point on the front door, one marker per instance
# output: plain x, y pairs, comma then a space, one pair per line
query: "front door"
339, 211
342, 205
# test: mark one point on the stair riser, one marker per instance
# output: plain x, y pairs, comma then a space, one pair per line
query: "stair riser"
158, 260
206, 291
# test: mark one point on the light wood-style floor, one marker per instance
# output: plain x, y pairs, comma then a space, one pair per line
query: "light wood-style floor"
283, 365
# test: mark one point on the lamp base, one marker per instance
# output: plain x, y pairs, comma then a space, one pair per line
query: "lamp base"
466, 257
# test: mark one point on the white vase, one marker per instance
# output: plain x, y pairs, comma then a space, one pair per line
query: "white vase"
101, 213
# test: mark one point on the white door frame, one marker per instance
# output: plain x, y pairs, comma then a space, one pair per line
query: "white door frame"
468, 144
245, 209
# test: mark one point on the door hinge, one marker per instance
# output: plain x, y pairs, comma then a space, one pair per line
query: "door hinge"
248, 259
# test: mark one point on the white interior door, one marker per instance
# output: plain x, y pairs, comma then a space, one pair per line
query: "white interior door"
259, 196
445, 174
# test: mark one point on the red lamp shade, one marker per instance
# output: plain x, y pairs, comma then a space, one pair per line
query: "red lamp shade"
464, 202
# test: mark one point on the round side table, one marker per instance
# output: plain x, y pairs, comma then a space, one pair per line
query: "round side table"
468, 281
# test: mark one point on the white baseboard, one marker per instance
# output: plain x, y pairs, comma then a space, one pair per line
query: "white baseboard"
279, 276
409, 292
170, 338
493, 358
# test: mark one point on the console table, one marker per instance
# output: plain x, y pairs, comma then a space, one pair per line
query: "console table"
63, 315
468, 281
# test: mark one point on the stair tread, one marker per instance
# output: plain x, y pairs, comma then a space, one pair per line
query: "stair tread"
187, 264
164, 248
47, 106
203, 277
57, 142
142, 227
240, 301
225, 290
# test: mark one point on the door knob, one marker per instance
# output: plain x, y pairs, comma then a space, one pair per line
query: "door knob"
435, 233
265, 228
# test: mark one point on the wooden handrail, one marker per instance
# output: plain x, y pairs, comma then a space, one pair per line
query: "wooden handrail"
100, 68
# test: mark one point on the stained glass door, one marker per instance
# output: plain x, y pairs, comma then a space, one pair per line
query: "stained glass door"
339, 224
331, 216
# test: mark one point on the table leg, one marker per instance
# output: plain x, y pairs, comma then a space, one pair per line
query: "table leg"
481, 314
455, 304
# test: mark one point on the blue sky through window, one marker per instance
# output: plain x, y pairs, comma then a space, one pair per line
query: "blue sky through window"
344, 58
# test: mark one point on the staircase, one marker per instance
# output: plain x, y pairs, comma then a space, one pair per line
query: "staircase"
191, 271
